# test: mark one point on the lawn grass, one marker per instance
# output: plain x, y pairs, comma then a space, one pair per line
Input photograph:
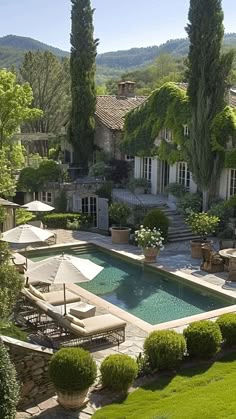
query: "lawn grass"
201, 392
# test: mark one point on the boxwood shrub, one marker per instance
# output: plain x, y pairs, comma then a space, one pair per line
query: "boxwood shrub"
157, 218
72, 369
203, 339
9, 386
118, 372
164, 349
227, 325
61, 220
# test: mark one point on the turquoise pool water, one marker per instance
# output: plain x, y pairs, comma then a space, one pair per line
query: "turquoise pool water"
153, 297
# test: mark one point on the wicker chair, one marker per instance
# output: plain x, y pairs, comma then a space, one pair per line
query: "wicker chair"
212, 261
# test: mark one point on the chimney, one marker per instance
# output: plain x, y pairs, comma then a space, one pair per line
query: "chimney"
126, 89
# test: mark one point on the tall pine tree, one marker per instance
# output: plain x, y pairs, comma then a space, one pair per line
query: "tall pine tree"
208, 70
82, 68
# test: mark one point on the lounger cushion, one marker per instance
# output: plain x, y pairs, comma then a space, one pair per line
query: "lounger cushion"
103, 323
74, 320
37, 293
56, 298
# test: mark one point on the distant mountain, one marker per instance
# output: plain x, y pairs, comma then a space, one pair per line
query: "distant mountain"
109, 64
135, 57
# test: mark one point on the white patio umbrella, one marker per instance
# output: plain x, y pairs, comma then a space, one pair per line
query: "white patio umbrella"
37, 206
26, 234
64, 269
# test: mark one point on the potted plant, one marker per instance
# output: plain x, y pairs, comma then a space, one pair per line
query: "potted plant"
201, 224
138, 185
175, 191
72, 371
119, 213
151, 241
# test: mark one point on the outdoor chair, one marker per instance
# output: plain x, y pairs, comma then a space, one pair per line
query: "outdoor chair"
212, 261
55, 298
67, 330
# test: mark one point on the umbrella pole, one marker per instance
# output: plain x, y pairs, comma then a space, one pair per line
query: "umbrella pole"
64, 285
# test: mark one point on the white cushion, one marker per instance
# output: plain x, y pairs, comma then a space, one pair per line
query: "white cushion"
74, 320
36, 293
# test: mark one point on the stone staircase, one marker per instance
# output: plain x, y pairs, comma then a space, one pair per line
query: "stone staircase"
178, 230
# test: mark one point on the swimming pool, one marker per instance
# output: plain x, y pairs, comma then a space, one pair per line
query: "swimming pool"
149, 295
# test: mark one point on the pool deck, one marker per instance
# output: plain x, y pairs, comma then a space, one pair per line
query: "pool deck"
174, 259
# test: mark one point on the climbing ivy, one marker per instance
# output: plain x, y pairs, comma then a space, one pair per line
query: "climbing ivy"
168, 107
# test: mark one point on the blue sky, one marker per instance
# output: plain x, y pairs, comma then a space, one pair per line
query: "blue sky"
119, 24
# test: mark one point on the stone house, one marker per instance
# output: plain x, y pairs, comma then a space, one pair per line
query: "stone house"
109, 121
160, 174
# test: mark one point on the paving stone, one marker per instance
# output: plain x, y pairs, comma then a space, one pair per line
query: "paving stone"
48, 404
34, 410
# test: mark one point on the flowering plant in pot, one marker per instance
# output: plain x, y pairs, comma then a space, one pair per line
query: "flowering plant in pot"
201, 224
151, 240
119, 213
72, 371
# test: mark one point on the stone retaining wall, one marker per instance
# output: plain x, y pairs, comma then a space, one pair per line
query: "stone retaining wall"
31, 362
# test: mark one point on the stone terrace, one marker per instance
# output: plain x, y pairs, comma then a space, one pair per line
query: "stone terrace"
175, 258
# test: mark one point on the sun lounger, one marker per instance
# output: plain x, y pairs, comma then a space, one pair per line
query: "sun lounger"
55, 298
74, 332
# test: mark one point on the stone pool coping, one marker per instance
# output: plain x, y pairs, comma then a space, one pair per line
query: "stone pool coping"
130, 253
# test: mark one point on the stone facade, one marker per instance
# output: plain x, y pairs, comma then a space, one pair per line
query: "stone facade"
31, 363
108, 140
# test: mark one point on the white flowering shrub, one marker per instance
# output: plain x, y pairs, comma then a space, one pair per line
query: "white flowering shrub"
146, 237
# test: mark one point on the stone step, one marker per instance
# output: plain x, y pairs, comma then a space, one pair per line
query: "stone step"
181, 238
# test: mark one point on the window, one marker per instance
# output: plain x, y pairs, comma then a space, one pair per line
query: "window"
186, 130
46, 196
183, 175
89, 206
147, 168
166, 135
232, 182
129, 158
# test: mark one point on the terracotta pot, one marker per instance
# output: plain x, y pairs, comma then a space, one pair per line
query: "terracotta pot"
150, 254
73, 399
120, 235
196, 247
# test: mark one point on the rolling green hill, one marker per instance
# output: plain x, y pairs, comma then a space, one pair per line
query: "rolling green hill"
110, 64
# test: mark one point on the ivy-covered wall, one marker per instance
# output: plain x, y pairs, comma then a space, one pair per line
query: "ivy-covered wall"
168, 107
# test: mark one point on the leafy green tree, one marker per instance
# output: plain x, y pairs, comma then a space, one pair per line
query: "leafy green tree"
9, 386
7, 179
15, 102
32, 179
49, 79
83, 90
23, 216
208, 70
11, 283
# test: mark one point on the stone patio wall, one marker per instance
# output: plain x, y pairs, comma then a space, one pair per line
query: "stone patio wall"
31, 362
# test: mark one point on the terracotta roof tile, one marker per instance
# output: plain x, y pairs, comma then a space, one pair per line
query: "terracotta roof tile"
111, 110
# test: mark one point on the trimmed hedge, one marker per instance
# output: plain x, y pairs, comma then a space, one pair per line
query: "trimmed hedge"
72, 369
164, 349
157, 218
227, 325
60, 220
203, 339
118, 372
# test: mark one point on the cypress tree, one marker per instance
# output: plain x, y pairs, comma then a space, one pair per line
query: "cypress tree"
208, 70
82, 68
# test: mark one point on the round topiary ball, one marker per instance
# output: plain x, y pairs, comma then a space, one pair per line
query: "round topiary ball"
118, 372
72, 369
157, 218
203, 339
227, 325
164, 349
